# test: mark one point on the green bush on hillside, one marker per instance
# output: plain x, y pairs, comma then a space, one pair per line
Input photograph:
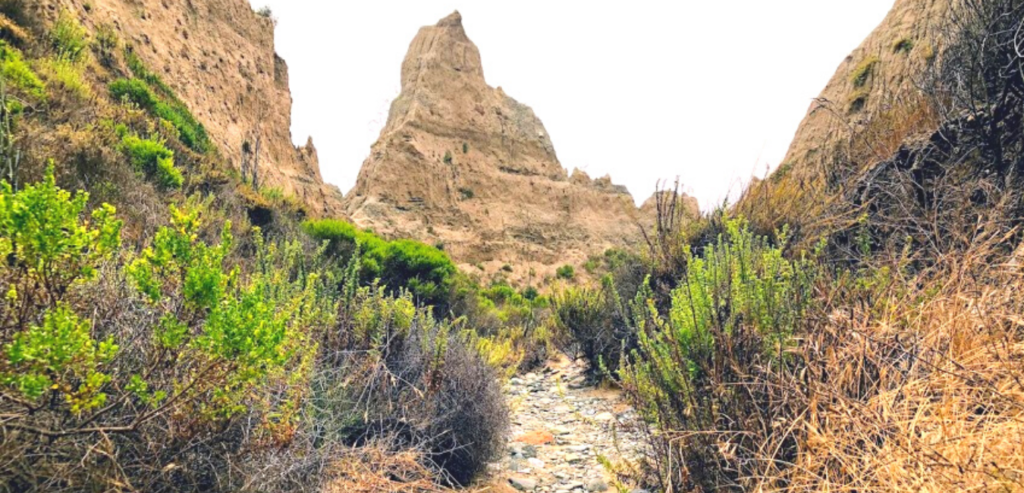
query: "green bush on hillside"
140, 92
401, 264
17, 72
152, 157
566, 272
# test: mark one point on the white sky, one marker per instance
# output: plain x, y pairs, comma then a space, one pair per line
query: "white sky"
709, 91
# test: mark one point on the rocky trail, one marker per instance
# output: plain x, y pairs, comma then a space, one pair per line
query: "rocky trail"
566, 437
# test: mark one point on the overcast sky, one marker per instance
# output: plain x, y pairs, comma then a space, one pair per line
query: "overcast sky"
711, 92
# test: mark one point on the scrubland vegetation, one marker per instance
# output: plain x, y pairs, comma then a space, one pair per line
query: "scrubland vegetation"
167, 343
157, 337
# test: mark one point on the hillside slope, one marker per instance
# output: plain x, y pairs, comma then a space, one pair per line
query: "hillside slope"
877, 101
218, 56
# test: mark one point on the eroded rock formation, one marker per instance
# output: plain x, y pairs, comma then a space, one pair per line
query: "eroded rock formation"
463, 164
218, 56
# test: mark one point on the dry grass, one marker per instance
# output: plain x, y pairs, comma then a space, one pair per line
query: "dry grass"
927, 397
376, 470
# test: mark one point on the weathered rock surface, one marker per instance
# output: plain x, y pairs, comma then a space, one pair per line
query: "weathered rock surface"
879, 82
463, 164
218, 56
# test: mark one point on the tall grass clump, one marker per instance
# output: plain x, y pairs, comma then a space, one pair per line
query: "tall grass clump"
68, 39
18, 73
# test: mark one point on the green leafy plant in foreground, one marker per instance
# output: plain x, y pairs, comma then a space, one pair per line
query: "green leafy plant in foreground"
50, 248
735, 312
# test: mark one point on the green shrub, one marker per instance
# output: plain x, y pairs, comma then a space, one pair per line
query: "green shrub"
566, 272
68, 38
50, 247
133, 90
153, 158
164, 105
17, 72
402, 264
68, 75
741, 302
447, 157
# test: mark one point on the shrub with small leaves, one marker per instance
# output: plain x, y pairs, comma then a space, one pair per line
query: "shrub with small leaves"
152, 157
68, 38
18, 73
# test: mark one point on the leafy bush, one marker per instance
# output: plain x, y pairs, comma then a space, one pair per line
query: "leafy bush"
153, 158
50, 249
427, 272
157, 374
140, 91
734, 315
133, 90
566, 272
18, 73
593, 324
68, 75
68, 38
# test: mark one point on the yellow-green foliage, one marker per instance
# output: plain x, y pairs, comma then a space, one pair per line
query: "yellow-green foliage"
864, 70
51, 247
247, 330
68, 38
66, 74
18, 73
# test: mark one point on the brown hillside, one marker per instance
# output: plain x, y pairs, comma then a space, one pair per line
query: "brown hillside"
872, 105
218, 56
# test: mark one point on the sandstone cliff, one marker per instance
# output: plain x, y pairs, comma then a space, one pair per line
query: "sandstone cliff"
874, 101
218, 56
463, 164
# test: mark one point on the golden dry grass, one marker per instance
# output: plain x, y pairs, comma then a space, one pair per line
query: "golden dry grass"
927, 397
377, 470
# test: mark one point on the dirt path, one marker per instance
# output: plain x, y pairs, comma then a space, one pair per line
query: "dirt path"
565, 435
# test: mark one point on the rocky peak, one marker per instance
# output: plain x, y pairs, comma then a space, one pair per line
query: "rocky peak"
438, 51
463, 164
